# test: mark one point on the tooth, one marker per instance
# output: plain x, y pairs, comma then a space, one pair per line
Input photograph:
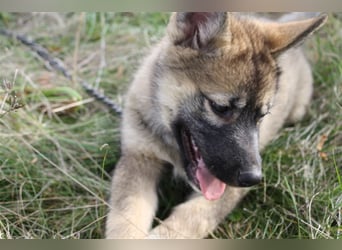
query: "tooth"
193, 143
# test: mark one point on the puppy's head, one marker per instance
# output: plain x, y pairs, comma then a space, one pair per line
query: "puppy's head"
220, 75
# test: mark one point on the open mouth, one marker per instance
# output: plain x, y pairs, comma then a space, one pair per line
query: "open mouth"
211, 187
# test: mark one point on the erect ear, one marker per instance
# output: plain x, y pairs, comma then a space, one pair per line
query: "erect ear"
282, 36
196, 29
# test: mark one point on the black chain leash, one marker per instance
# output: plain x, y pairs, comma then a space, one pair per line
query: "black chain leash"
58, 65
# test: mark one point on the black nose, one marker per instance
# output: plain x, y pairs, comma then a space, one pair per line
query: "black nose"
249, 178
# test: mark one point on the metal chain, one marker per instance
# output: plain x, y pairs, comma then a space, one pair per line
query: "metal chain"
59, 66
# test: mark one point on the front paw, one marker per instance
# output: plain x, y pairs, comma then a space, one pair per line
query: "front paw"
157, 233
153, 236
164, 232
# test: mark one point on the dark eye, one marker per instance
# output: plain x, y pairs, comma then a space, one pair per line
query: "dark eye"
260, 115
221, 110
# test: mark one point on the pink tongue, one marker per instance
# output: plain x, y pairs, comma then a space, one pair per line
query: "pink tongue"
211, 187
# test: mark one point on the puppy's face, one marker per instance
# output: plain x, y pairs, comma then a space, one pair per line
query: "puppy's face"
221, 76
217, 122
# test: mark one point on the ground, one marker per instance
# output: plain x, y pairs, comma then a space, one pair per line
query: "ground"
54, 160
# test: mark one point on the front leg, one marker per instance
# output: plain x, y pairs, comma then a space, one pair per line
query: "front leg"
133, 199
197, 217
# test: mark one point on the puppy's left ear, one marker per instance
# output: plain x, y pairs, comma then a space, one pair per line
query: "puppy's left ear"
282, 36
196, 30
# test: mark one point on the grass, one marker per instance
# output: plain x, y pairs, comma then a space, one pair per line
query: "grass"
54, 160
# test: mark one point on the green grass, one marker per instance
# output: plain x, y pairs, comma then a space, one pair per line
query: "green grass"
53, 165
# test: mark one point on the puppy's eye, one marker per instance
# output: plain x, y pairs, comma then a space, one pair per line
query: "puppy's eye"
221, 110
260, 115
264, 114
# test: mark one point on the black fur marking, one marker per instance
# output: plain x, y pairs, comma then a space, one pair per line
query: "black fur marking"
220, 146
278, 73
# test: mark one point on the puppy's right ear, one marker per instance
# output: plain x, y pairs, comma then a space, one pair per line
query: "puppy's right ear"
281, 36
196, 29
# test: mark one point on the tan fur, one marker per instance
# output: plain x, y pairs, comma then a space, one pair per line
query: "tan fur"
239, 52
291, 100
